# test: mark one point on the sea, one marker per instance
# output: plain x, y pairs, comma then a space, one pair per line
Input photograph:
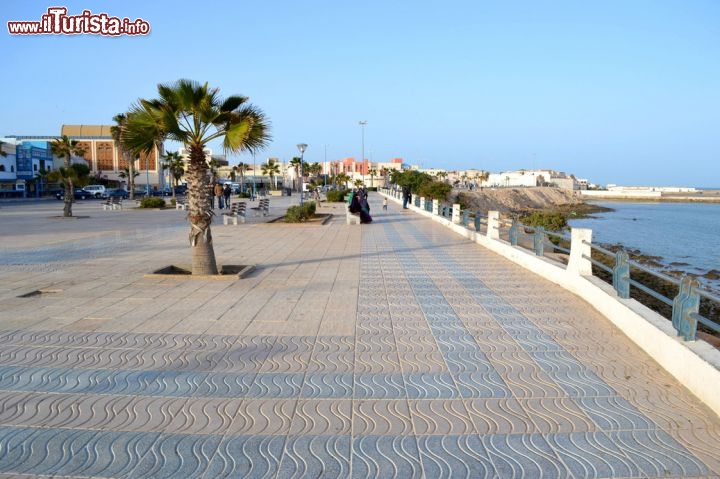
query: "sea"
685, 236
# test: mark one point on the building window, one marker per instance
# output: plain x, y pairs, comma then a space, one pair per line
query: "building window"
35, 167
2, 167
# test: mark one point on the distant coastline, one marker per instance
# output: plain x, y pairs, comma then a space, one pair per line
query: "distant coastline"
654, 194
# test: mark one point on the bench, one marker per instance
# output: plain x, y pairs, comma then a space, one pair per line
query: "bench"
351, 218
181, 204
263, 207
237, 210
114, 203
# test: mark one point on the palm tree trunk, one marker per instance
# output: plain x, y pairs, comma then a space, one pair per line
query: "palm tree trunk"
69, 195
200, 215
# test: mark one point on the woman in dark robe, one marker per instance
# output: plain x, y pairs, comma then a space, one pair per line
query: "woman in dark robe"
364, 206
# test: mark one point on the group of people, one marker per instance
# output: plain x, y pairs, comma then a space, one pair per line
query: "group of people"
359, 205
222, 193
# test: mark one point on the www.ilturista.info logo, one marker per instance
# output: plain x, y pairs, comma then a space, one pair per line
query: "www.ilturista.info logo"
58, 22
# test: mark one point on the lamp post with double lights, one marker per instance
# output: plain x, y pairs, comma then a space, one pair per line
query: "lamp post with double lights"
302, 147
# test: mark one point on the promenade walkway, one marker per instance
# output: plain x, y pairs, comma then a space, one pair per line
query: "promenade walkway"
394, 349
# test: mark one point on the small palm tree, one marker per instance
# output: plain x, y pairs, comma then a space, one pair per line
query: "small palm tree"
373, 173
176, 166
242, 168
194, 115
129, 174
271, 169
314, 169
295, 163
342, 179
65, 148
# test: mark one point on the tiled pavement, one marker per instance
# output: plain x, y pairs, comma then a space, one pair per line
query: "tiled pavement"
394, 349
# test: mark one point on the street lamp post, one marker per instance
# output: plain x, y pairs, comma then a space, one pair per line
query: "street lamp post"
301, 147
362, 124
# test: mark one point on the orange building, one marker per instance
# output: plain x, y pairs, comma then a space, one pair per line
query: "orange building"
104, 158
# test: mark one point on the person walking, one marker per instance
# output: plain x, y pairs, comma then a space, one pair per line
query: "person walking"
219, 193
406, 196
385, 203
226, 194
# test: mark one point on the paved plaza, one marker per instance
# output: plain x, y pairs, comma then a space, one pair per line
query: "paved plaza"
394, 349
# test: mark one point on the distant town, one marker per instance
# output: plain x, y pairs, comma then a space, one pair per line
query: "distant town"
26, 160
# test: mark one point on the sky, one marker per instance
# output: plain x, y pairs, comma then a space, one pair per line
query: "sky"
624, 92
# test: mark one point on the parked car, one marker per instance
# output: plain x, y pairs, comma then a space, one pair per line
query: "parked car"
117, 193
98, 191
78, 194
167, 191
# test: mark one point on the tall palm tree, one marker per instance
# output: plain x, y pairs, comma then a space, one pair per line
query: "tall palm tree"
271, 169
116, 131
65, 148
194, 114
295, 163
176, 166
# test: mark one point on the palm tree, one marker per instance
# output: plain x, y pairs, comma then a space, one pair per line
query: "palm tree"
242, 168
176, 166
116, 131
271, 169
2, 153
194, 115
65, 148
314, 169
343, 179
373, 173
295, 163
129, 174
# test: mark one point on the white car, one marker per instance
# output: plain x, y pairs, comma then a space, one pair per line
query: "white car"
98, 191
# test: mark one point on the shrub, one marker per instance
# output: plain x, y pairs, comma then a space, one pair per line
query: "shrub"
300, 214
551, 221
152, 202
436, 190
336, 196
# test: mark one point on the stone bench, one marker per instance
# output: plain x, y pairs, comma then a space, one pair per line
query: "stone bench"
114, 203
237, 211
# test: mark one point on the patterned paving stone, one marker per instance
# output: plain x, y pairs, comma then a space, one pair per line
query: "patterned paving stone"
395, 349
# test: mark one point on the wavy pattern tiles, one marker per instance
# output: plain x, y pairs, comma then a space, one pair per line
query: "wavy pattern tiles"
459, 367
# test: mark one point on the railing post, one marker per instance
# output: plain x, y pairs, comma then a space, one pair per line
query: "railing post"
539, 241
456, 214
493, 231
621, 274
580, 252
478, 221
685, 305
513, 232
465, 218
435, 206
423, 203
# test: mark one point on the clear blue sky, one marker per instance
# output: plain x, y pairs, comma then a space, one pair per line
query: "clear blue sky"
623, 92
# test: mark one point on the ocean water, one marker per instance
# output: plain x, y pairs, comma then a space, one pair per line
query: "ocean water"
685, 235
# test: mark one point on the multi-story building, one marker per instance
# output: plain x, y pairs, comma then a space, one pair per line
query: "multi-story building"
33, 153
